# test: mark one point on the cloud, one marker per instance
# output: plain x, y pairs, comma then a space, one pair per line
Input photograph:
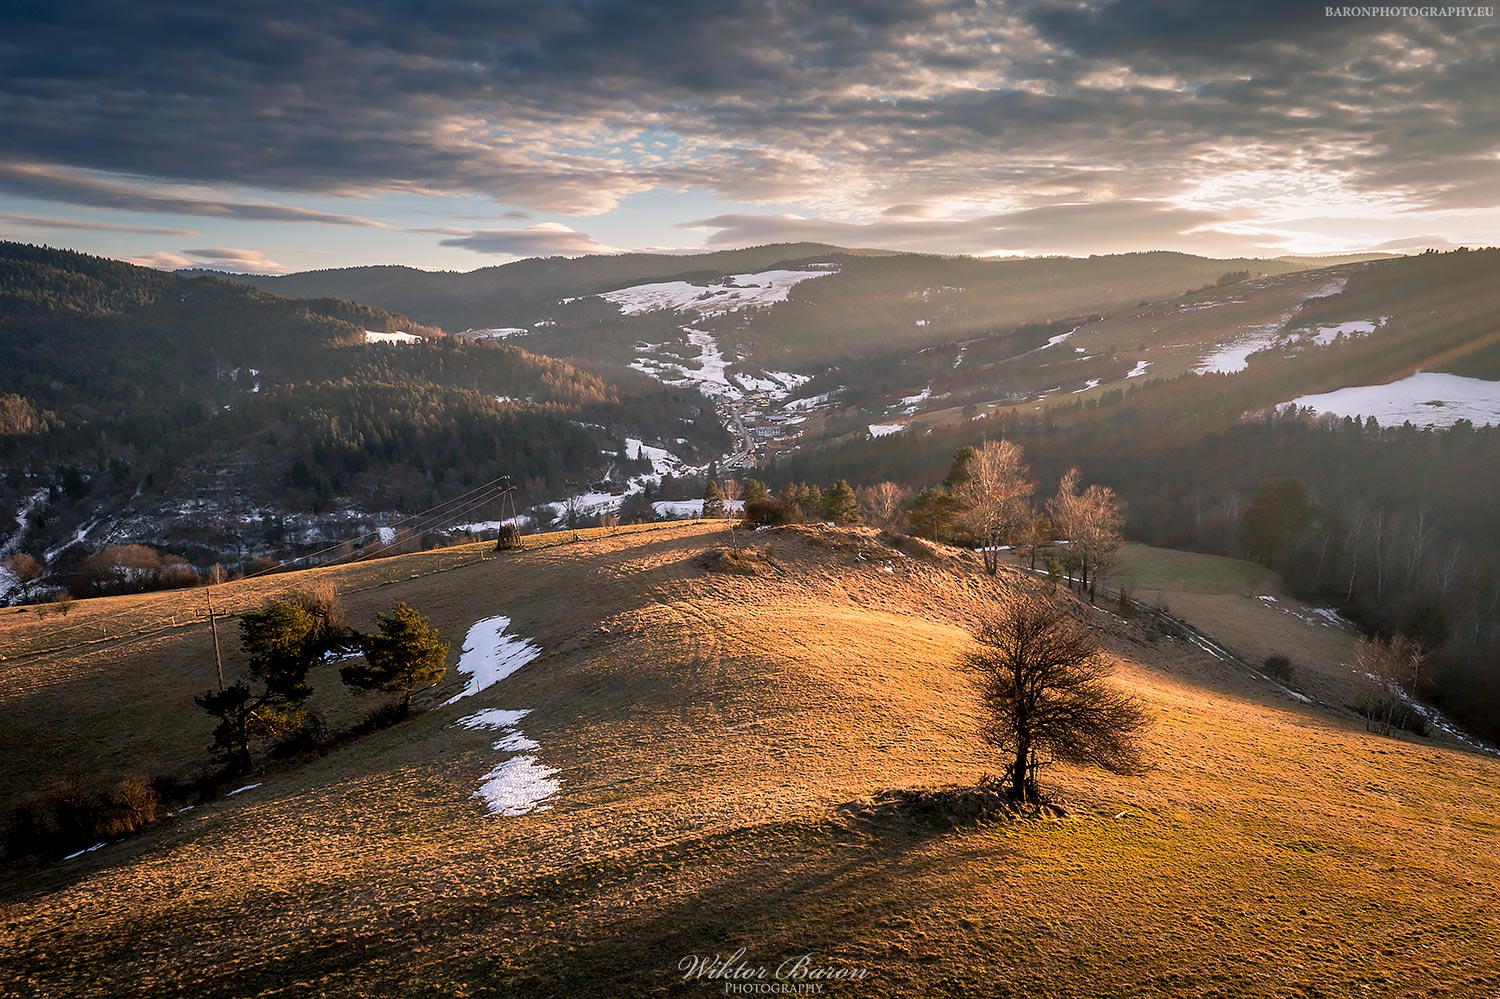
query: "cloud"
1069, 229
217, 258
838, 109
545, 239
48, 183
32, 222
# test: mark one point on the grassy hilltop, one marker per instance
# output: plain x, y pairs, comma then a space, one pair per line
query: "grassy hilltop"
713, 731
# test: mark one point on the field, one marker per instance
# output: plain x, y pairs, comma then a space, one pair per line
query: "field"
712, 731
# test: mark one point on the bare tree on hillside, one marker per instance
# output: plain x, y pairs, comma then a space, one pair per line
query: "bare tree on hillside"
993, 493
1090, 522
27, 569
1395, 669
883, 504
1046, 693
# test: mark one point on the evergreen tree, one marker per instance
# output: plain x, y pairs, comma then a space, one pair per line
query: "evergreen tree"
754, 491
713, 502
406, 655
840, 504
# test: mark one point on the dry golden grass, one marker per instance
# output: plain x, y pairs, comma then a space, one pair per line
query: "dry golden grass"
707, 727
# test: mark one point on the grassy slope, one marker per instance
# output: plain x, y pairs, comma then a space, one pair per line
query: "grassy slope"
707, 728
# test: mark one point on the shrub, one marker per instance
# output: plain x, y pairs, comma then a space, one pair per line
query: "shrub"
1279, 668
767, 513
75, 813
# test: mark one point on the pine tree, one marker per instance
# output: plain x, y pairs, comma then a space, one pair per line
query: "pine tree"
713, 502
406, 655
754, 491
840, 504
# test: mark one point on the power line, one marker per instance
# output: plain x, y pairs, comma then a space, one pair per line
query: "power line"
372, 534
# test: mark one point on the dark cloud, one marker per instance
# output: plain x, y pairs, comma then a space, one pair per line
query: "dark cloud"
53, 184
842, 107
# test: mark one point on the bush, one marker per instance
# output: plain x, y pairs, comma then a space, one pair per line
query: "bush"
1279, 668
76, 813
767, 513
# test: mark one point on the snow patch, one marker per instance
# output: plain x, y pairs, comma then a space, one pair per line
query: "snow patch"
1427, 398
372, 336
692, 508
1138, 370
740, 291
519, 784
490, 655
886, 429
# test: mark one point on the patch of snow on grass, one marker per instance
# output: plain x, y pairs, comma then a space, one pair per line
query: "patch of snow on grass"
242, 790
1427, 398
692, 507
372, 336
662, 460
1138, 370
1325, 335
913, 401
740, 291
886, 429
87, 849
517, 785
1091, 383
498, 333
490, 655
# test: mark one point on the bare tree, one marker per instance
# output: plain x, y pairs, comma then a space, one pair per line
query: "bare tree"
994, 492
883, 504
1395, 669
1090, 521
1046, 692
27, 569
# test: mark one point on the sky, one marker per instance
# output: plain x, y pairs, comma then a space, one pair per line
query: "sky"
453, 135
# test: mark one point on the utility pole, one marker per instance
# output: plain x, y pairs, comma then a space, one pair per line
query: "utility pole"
510, 532
213, 626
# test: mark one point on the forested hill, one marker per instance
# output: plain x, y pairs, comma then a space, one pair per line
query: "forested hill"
873, 299
513, 293
188, 406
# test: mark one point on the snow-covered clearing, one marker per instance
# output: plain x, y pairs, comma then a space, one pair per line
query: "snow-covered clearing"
810, 403
886, 429
497, 333
1427, 398
709, 375
1235, 355
520, 522
912, 402
691, 508
1325, 335
1138, 370
740, 291
490, 655
663, 462
371, 336
1052, 341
